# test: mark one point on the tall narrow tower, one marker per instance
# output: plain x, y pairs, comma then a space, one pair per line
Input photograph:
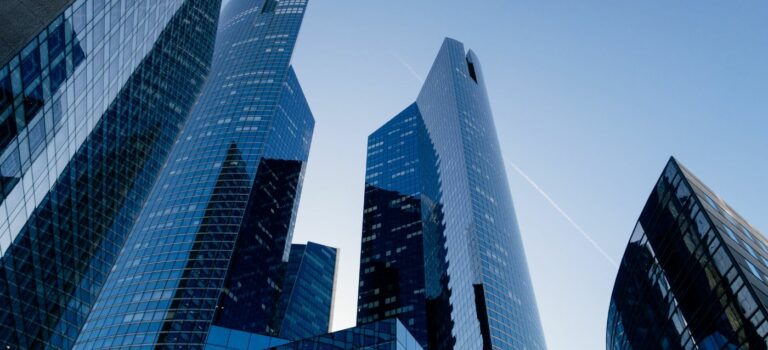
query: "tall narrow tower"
441, 249
208, 247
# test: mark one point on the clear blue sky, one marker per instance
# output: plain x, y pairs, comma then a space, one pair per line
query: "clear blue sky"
590, 99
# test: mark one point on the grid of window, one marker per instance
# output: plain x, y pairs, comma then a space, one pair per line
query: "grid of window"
388, 334
442, 176
491, 292
220, 338
207, 246
745, 243
55, 91
402, 238
89, 110
307, 293
685, 282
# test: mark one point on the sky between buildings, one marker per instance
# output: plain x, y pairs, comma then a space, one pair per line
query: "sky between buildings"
590, 99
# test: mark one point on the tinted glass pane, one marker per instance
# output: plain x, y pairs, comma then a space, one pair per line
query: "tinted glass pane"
6, 94
7, 129
30, 67
56, 42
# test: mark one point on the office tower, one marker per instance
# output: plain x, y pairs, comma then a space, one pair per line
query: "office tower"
208, 247
388, 334
693, 275
89, 109
441, 249
306, 298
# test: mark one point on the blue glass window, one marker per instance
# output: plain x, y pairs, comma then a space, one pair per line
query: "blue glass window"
754, 270
730, 233
30, 65
750, 250
56, 41
7, 121
79, 19
711, 202
33, 101
7, 129
747, 233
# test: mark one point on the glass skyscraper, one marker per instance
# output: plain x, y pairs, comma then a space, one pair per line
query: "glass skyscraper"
89, 109
306, 298
694, 274
209, 246
441, 249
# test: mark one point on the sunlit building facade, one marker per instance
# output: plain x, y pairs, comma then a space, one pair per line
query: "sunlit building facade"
441, 249
89, 110
208, 248
694, 274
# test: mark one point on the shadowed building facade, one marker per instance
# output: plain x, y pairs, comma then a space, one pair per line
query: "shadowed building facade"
208, 248
306, 299
389, 334
441, 250
89, 110
694, 274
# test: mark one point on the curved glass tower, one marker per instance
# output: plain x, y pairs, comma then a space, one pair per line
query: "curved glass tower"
89, 110
694, 274
208, 246
441, 249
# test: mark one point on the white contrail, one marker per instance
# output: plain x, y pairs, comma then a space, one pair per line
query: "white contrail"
530, 181
409, 68
564, 214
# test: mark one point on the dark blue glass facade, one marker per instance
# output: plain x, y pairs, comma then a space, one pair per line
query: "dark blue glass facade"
694, 274
387, 334
220, 338
441, 249
208, 247
402, 268
89, 111
306, 298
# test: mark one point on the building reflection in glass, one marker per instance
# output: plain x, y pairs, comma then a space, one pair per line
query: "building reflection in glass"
693, 275
92, 132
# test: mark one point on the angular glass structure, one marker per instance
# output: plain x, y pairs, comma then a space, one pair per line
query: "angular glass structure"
208, 247
220, 338
306, 298
387, 334
89, 109
441, 249
694, 274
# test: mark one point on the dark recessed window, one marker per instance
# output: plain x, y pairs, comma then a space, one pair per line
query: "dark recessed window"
269, 6
7, 129
33, 101
6, 94
472, 72
56, 42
